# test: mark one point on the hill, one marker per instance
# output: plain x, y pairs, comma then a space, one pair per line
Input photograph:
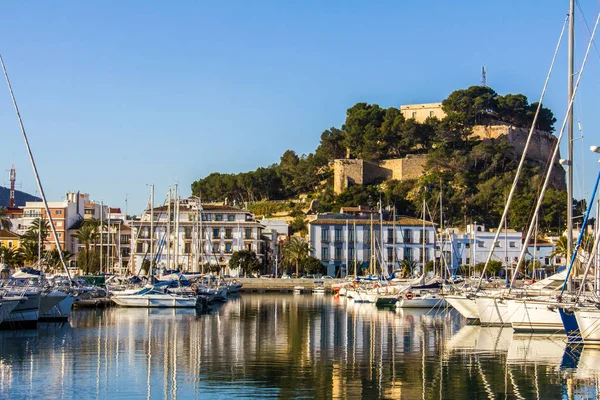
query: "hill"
473, 174
20, 197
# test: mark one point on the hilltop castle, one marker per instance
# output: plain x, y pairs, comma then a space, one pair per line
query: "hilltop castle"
349, 172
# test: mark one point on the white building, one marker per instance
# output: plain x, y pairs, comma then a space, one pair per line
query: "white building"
276, 232
472, 247
197, 235
341, 240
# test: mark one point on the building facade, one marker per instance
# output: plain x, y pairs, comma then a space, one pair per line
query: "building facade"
195, 237
372, 243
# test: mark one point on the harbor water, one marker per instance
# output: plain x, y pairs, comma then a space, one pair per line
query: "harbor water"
288, 346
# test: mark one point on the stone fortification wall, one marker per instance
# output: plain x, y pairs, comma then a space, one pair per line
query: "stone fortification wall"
540, 149
361, 172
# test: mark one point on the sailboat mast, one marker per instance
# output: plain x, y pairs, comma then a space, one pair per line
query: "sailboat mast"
151, 229
35, 173
169, 229
176, 229
355, 249
423, 240
570, 134
101, 235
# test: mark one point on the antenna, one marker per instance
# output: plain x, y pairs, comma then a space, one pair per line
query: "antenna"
12, 177
483, 76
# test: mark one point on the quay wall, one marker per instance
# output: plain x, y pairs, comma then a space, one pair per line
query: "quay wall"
283, 285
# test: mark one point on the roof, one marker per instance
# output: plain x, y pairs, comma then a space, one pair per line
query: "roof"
400, 221
4, 234
205, 207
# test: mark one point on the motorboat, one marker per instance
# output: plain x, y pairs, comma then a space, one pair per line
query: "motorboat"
155, 296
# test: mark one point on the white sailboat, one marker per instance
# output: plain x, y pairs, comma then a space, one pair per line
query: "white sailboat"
155, 296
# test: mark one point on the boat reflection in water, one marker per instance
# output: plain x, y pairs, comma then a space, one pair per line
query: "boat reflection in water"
282, 346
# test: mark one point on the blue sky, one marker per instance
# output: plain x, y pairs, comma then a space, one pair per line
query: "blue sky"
118, 95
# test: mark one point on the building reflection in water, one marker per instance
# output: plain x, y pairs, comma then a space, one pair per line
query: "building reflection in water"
288, 346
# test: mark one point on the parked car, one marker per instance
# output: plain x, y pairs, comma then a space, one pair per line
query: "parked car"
286, 276
327, 277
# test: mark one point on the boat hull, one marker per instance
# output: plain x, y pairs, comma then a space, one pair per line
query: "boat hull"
422, 302
144, 301
589, 325
59, 312
492, 311
534, 316
25, 314
464, 305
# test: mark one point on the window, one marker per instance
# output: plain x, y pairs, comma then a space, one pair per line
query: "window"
338, 235
390, 254
139, 248
480, 243
338, 253
414, 115
219, 217
512, 244
58, 212
325, 235
325, 253
227, 247
459, 245
248, 234
497, 243
390, 236
59, 223
351, 235
351, 253
407, 236
187, 248
231, 217
125, 239
467, 245
188, 233
546, 261
9, 245
215, 247
228, 234
431, 114
248, 246
424, 237
215, 234
204, 218
467, 260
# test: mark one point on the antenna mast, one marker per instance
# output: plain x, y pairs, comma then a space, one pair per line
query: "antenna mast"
483, 76
13, 177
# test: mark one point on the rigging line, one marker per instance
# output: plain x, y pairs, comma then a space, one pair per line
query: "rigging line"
589, 32
555, 153
37, 177
522, 161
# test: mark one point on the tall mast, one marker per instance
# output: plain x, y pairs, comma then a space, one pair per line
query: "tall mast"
13, 177
176, 229
151, 230
35, 173
355, 249
108, 253
101, 234
570, 133
169, 229
423, 241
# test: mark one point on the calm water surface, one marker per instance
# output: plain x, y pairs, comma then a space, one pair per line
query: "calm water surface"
288, 346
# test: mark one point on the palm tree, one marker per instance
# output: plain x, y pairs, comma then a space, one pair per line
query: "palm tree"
39, 229
5, 219
560, 248
295, 251
29, 251
86, 235
54, 258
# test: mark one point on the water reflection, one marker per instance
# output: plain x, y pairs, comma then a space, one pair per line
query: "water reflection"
287, 346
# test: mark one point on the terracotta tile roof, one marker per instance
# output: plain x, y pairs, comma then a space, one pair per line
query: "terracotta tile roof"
4, 234
401, 221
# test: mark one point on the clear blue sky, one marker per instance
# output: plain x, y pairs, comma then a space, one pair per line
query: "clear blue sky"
117, 95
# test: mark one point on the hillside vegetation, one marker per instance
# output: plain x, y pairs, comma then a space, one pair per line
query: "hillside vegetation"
474, 175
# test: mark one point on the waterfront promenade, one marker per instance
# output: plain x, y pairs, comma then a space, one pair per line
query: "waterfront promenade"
285, 285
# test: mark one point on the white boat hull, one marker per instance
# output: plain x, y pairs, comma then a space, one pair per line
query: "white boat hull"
431, 301
155, 301
492, 311
59, 312
25, 314
589, 325
464, 305
534, 316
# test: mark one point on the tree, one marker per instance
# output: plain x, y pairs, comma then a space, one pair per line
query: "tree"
475, 104
10, 256
86, 235
295, 251
313, 265
560, 247
244, 260
54, 258
37, 232
5, 222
